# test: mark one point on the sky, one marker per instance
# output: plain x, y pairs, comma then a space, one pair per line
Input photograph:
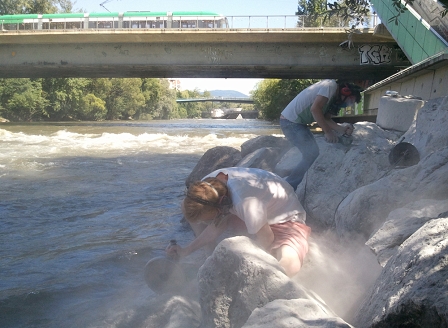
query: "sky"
227, 8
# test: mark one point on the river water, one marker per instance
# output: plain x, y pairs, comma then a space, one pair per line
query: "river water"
84, 206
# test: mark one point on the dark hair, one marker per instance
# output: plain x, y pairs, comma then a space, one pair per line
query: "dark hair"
354, 90
345, 90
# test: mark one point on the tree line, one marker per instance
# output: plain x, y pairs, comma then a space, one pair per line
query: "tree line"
97, 99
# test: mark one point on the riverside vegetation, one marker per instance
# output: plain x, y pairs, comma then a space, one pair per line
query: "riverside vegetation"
98, 99
66, 99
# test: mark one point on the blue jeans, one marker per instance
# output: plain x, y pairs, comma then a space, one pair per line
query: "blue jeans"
300, 136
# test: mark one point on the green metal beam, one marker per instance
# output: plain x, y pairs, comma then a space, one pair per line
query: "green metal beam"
414, 35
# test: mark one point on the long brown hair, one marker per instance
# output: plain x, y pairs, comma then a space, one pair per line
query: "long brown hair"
202, 198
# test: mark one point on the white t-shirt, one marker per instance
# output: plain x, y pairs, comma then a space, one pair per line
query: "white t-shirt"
298, 110
261, 197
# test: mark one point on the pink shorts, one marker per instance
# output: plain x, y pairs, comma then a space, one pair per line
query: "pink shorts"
293, 234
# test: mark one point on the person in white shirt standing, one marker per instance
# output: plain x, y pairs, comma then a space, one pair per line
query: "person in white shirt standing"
263, 201
317, 103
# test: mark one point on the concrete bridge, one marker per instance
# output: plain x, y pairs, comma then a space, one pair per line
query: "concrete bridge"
200, 53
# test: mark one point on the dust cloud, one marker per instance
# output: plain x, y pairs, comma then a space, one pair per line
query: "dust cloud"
339, 271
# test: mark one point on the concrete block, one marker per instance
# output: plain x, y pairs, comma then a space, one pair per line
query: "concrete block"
397, 113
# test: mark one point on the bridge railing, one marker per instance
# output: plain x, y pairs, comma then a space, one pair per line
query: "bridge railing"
283, 22
183, 23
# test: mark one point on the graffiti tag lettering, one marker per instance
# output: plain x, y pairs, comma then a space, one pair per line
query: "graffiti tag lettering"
374, 54
215, 55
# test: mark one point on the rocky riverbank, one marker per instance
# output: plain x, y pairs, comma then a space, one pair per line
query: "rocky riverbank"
379, 248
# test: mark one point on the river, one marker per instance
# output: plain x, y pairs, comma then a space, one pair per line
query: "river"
84, 206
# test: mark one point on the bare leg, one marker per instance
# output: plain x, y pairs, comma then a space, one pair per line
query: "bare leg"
289, 260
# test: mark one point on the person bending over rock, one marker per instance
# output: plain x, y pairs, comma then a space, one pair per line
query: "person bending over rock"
263, 201
317, 103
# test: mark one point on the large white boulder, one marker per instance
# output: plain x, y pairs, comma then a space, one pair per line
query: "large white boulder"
367, 208
412, 290
401, 224
240, 277
339, 170
429, 131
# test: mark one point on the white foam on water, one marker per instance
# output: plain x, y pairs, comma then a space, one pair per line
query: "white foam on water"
64, 143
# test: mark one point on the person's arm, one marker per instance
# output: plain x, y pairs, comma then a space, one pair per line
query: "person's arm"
344, 128
265, 236
209, 235
326, 124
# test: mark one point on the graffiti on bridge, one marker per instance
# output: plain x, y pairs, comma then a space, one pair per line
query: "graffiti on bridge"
375, 54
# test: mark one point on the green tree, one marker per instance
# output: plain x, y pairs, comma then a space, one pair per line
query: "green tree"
40, 7
193, 109
160, 101
125, 98
65, 97
272, 95
65, 6
11, 7
100, 87
206, 106
167, 102
91, 108
312, 10
21, 100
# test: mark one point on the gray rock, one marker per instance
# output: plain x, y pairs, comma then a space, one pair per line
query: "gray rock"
339, 170
263, 158
428, 131
288, 162
264, 141
238, 278
298, 313
412, 290
401, 224
214, 159
366, 209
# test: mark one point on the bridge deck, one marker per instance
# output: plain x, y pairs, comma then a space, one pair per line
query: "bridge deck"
124, 36
228, 53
